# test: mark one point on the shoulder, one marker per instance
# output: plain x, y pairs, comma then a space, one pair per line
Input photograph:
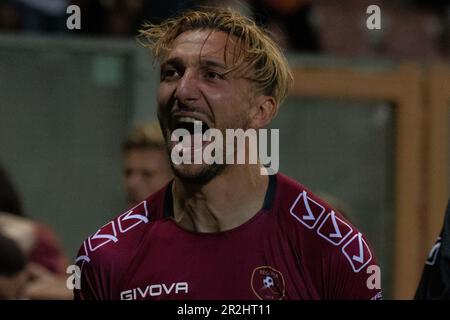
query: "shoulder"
104, 256
115, 237
316, 221
301, 204
324, 238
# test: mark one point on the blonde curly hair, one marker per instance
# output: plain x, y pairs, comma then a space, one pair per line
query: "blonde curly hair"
271, 71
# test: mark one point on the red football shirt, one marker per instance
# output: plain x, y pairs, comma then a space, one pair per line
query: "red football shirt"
295, 247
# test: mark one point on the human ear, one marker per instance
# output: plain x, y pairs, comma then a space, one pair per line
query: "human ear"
264, 110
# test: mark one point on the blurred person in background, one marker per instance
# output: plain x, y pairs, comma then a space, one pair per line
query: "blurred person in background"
13, 275
146, 167
37, 240
435, 281
46, 260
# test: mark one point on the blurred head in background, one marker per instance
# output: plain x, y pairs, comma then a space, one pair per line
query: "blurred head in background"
146, 166
9, 197
37, 240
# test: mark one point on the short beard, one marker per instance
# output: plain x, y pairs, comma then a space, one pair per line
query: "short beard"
203, 177
207, 173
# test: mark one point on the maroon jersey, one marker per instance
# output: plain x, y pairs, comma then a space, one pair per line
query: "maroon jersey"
295, 247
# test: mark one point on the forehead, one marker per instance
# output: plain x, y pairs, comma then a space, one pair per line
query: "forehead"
197, 44
144, 156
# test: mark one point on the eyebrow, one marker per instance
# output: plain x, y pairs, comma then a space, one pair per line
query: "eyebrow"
212, 63
177, 62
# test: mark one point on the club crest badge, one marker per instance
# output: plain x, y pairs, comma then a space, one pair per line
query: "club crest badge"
268, 283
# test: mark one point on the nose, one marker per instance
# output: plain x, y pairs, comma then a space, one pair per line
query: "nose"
133, 181
187, 89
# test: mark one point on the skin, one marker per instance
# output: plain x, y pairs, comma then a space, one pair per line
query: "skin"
35, 282
193, 84
21, 230
145, 171
45, 285
12, 287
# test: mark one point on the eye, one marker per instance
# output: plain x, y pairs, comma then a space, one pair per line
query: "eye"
169, 74
213, 75
128, 172
147, 174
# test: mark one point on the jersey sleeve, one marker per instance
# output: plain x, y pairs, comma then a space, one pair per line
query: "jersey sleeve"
336, 258
353, 273
105, 257
93, 284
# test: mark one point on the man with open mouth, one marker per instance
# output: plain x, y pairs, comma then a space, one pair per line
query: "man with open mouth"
224, 231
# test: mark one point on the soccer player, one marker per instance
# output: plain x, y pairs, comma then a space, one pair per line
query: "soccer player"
146, 166
435, 281
224, 231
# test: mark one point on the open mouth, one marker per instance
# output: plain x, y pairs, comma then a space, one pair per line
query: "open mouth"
193, 144
192, 125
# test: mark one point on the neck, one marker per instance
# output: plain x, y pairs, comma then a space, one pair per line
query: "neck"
227, 201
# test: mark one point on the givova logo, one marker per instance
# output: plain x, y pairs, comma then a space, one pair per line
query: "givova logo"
154, 290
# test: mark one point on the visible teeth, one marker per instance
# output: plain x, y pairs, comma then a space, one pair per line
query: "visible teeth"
190, 120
